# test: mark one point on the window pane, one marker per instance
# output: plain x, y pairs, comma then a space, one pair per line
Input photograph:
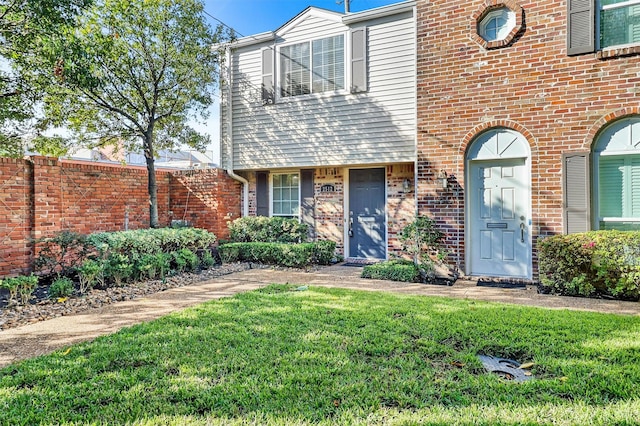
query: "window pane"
285, 194
610, 188
295, 70
328, 64
620, 26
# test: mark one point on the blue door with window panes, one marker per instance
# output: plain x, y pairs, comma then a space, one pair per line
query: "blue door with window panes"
367, 214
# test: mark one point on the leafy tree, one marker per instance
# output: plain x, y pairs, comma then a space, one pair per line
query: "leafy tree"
132, 74
23, 23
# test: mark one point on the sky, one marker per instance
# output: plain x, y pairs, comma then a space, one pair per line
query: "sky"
250, 17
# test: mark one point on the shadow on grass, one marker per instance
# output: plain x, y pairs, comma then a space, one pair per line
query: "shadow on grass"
336, 356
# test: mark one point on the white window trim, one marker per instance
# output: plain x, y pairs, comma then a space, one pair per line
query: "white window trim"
599, 8
347, 69
271, 199
511, 23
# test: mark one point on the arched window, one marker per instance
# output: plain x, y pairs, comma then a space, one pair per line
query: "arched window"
617, 175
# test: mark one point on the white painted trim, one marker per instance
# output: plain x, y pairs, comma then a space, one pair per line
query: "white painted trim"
379, 12
284, 172
468, 207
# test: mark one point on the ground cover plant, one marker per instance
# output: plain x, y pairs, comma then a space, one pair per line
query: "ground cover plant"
291, 354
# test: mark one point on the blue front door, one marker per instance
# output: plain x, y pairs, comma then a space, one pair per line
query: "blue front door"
367, 224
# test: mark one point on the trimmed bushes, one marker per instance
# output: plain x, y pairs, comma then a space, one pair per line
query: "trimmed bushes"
267, 230
293, 255
394, 270
597, 263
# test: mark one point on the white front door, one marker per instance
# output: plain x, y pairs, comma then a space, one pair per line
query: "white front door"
499, 223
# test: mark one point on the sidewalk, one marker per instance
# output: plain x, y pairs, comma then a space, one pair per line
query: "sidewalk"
46, 336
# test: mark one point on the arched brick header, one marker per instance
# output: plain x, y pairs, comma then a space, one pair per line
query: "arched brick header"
464, 145
489, 6
602, 122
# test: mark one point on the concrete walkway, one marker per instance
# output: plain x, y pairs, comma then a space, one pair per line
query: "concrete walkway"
46, 336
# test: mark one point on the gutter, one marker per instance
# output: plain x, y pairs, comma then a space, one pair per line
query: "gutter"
229, 124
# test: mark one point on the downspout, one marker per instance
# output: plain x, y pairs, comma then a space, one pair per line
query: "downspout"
229, 138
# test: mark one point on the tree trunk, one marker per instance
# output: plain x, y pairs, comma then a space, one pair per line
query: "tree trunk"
152, 184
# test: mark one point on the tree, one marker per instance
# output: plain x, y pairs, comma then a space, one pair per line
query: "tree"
133, 73
22, 22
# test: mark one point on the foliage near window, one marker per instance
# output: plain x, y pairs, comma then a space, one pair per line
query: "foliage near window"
597, 263
292, 255
267, 230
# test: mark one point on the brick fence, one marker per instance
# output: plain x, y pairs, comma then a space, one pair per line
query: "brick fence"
41, 196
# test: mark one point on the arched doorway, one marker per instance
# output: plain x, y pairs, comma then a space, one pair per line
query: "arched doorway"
498, 205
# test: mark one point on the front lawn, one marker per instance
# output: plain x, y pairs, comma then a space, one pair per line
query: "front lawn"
330, 356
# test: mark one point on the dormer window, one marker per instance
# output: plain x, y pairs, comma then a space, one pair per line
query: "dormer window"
312, 67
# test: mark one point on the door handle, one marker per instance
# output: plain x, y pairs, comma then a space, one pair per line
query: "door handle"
522, 232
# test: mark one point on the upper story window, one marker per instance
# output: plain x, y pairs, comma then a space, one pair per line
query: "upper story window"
611, 27
312, 67
497, 24
619, 22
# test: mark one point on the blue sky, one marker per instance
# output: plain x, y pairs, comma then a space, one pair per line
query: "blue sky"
249, 17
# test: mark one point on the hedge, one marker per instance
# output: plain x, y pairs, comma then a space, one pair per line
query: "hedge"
293, 255
151, 241
596, 263
267, 230
394, 270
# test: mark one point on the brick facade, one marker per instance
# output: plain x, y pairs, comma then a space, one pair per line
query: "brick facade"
43, 196
557, 102
329, 206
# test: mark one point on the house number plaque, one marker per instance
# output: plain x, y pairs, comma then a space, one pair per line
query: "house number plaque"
327, 188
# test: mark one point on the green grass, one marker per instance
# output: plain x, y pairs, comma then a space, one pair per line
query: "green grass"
329, 356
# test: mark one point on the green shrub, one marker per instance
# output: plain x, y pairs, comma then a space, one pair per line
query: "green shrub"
394, 270
597, 263
22, 287
293, 255
185, 260
206, 259
62, 253
118, 268
61, 287
135, 244
422, 242
90, 274
267, 230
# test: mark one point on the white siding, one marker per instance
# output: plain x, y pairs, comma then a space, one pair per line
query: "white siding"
375, 127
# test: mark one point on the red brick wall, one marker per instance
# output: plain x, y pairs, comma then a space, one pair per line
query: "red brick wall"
207, 199
43, 196
557, 102
16, 219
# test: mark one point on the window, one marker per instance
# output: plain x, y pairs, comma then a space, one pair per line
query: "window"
619, 22
313, 67
497, 24
286, 199
617, 166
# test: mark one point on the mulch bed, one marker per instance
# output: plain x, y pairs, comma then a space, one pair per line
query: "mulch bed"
41, 308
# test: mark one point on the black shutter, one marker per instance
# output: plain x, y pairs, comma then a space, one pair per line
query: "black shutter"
262, 193
307, 205
580, 27
268, 93
359, 60
577, 203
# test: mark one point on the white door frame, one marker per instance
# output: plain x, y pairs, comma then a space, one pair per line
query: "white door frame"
492, 147
346, 206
